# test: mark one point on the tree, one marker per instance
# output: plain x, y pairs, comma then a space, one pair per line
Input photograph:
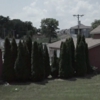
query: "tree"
95, 24
21, 64
46, 62
41, 62
27, 59
89, 68
29, 49
55, 66
69, 59
8, 69
72, 50
49, 27
66, 69
15, 27
62, 64
81, 68
13, 53
37, 63
1, 64
78, 39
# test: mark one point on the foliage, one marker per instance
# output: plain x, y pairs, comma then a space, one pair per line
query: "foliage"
72, 50
21, 64
37, 63
69, 59
8, 69
29, 50
1, 64
79, 37
62, 64
46, 62
27, 60
95, 24
81, 68
49, 27
89, 67
41, 62
66, 68
13, 53
55, 66
15, 27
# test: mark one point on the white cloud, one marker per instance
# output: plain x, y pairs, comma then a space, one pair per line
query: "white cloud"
62, 10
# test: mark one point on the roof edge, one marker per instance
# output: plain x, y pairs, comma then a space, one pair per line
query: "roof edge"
94, 46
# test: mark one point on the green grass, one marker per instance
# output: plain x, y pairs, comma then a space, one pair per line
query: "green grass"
77, 89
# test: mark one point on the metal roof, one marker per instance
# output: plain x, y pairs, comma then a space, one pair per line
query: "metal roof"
81, 26
91, 43
96, 30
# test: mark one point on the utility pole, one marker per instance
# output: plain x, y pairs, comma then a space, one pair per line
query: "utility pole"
78, 16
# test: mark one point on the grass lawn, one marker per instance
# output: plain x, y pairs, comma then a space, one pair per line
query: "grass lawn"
74, 89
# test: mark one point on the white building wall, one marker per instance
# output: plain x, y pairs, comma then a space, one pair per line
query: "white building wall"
58, 53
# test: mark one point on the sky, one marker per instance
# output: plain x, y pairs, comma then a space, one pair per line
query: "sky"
61, 10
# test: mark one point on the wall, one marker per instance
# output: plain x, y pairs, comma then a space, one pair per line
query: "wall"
51, 50
94, 56
84, 32
96, 36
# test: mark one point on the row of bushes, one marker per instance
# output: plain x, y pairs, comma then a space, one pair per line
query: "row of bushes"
29, 61
74, 61
25, 61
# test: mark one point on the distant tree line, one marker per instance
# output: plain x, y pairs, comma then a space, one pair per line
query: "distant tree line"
30, 61
18, 28
15, 27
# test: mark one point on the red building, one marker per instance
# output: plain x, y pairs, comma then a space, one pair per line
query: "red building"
94, 56
96, 33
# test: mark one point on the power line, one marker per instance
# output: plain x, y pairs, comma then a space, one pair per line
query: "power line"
78, 17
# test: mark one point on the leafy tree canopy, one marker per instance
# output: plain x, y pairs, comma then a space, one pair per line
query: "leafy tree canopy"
95, 23
49, 27
15, 27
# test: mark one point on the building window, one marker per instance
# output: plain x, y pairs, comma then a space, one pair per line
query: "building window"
84, 29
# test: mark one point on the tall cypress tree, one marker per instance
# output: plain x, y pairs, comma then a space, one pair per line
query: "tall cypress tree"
13, 53
79, 37
20, 64
89, 68
29, 48
1, 64
81, 68
62, 64
69, 60
41, 62
46, 62
55, 66
72, 50
27, 62
8, 69
37, 63
34, 61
